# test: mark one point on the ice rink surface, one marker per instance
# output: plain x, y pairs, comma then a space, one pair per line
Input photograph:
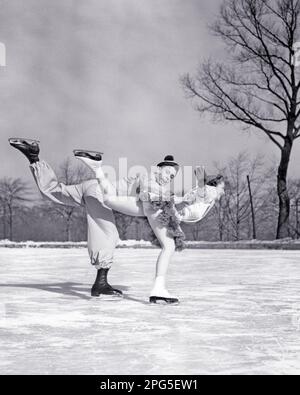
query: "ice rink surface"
239, 314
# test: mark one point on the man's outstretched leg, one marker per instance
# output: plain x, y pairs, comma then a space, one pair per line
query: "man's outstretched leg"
102, 232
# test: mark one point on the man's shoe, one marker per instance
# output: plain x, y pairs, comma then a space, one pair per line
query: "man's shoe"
30, 148
98, 290
101, 286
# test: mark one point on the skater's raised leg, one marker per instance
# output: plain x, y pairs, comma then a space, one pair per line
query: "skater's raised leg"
128, 205
103, 235
102, 232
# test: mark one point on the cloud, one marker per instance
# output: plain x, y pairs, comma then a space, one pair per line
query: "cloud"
104, 74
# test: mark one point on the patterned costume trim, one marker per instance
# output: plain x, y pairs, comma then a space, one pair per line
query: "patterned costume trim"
169, 218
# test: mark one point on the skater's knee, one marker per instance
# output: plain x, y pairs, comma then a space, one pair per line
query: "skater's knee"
109, 201
168, 247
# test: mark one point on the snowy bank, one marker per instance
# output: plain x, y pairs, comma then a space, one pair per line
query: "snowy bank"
71, 244
284, 244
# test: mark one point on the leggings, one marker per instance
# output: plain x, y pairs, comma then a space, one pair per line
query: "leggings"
131, 206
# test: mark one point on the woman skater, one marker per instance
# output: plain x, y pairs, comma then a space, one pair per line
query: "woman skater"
155, 202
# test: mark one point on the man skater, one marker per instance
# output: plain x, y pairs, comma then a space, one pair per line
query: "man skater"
103, 235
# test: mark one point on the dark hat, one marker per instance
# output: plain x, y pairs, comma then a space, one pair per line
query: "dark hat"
168, 161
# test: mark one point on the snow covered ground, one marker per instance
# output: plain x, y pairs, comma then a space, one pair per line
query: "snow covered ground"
282, 244
239, 314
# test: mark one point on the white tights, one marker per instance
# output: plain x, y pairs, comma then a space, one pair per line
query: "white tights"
129, 205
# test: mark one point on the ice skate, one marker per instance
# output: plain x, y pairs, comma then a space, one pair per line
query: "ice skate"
92, 159
30, 148
159, 293
93, 155
213, 181
205, 179
162, 296
101, 286
163, 300
106, 293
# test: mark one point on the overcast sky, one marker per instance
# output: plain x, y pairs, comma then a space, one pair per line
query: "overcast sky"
104, 75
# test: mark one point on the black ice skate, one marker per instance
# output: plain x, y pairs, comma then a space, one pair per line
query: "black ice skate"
204, 179
30, 148
162, 300
101, 286
93, 155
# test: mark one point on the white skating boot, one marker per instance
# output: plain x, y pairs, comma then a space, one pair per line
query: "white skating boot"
160, 294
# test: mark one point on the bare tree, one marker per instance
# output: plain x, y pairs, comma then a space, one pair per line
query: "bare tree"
3, 215
69, 174
196, 230
221, 214
138, 222
123, 222
294, 193
234, 209
259, 84
13, 194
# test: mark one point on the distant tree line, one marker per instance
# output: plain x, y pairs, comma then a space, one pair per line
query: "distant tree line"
24, 217
256, 85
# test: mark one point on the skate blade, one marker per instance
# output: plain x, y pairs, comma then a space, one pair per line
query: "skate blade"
96, 155
163, 301
109, 298
19, 140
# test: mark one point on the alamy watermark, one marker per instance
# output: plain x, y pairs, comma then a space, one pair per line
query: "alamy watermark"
2, 55
126, 179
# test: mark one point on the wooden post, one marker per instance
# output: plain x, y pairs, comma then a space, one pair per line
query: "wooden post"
252, 209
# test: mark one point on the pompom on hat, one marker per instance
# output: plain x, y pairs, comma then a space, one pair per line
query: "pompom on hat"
168, 161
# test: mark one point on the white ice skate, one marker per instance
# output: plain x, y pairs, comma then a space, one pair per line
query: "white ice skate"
159, 293
163, 300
